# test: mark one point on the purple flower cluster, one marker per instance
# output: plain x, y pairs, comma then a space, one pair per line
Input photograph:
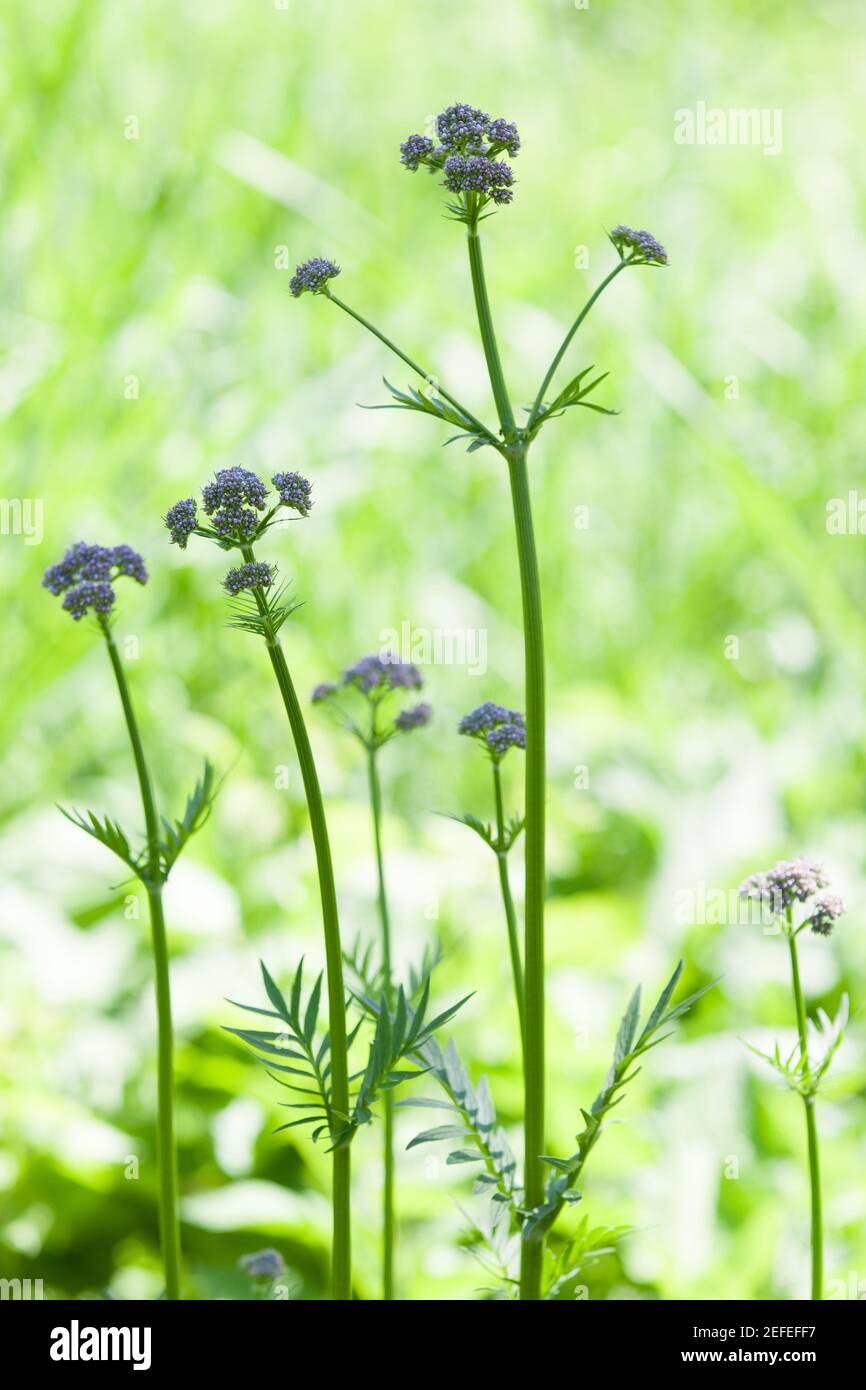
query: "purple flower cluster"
496, 727
826, 910
382, 672
263, 1264
86, 575
642, 246
181, 520
100, 597
462, 127
795, 881
788, 882
376, 677
312, 276
468, 142
323, 691
504, 135
295, 491
254, 575
414, 150
414, 718
475, 173
233, 501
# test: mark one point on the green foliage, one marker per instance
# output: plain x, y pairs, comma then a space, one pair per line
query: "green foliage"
199, 805
398, 1037
586, 1245
174, 838
804, 1074
487, 832
474, 1122
574, 394
109, 833
630, 1045
264, 612
302, 1052
429, 403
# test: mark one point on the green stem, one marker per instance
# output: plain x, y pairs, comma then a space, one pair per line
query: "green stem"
564, 345
488, 336
508, 904
531, 1251
398, 352
811, 1127
341, 1270
166, 1149
388, 1224
169, 1226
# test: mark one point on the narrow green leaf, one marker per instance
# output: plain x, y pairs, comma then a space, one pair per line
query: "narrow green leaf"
274, 994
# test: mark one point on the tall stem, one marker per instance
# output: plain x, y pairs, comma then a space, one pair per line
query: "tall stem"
508, 904
817, 1234
531, 1251
388, 1223
169, 1227
341, 1271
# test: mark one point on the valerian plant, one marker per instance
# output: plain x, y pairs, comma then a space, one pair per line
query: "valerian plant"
238, 512
470, 154
497, 730
800, 884
476, 1137
86, 577
363, 704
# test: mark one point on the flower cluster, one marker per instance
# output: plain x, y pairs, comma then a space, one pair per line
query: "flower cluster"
323, 691
496, 727
641, 246
377, 674
86, 576
312, 276
415, 150
254, 575
793, 881
468, 142
474, 173
414, 718
826, 909
181, 520
294, 491
263, 1264
235, 500
376, 677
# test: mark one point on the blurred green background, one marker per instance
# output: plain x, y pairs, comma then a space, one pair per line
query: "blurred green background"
162, 164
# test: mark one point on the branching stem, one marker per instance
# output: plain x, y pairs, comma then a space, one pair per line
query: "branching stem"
532, 1251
